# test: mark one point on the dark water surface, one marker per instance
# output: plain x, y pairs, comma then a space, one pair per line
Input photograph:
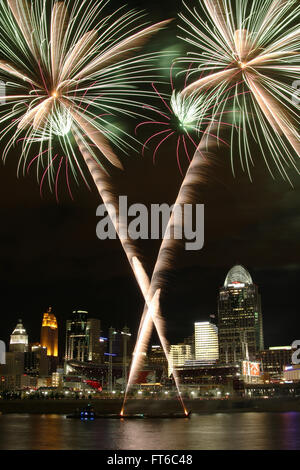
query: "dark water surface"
209, 431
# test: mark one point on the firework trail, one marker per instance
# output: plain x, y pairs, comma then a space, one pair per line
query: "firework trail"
63, 80
255, 47
198, 173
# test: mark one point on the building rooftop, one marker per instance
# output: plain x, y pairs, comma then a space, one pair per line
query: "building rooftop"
238, 274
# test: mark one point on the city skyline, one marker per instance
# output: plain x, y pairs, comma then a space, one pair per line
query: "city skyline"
51, 248
231, 282
228, 349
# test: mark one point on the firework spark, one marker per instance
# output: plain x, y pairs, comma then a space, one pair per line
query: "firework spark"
63, 80
253, 46
180, 118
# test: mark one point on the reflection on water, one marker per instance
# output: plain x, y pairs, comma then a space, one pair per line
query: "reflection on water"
210, 431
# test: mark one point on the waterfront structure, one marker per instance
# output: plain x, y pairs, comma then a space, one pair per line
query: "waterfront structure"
49, 333
251, 372
211, 380
240, 323
19, 339
292, 373
275, 359
206, 342
179, 354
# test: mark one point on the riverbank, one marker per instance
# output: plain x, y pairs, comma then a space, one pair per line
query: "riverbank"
150, 406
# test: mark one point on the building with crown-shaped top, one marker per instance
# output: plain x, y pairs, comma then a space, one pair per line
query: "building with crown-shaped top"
19, 339
240, 323
49, 333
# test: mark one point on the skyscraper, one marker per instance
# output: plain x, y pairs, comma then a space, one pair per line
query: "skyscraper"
239, 317
83, 338
179, 354
93, 330
49, 333
19, 339
206, 342
36, 361
76, 337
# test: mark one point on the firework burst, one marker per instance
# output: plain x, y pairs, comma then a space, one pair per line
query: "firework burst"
252, 47
183, 118
67, 66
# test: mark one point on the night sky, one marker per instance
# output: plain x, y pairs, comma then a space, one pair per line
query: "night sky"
50, 256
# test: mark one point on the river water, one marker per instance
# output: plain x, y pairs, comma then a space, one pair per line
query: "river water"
206, 431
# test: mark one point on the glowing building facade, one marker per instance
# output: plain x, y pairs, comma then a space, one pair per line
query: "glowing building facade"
83, 338
19, 339
239, 318
49, 333
179, 354
275, 359
76, 337
95, 353
206, 343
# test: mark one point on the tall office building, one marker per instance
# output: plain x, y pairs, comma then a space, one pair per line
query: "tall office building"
157, 357
12, 372
49, 333
19, 339
239, 318
36, 361
83, 338
206, 342
76, 337
191, 341
179, 354
95, 350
